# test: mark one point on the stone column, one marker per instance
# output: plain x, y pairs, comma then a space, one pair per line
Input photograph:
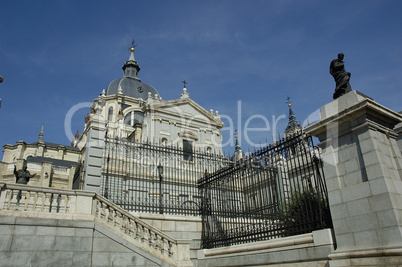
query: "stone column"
21, 146
137, 132
93, 157
363, 172
46, 174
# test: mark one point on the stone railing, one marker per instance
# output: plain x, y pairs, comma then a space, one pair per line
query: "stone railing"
38, 202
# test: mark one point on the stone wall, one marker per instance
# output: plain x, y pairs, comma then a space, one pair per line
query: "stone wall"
307, 250
52, 242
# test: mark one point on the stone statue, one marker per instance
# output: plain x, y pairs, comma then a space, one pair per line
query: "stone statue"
342, 77
22, 175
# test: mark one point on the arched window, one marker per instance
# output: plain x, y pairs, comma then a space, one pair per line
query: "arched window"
187, 150
110, 115
134, 117
129, 119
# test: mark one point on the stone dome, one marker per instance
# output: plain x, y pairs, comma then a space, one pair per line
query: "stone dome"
130, 84
131, 87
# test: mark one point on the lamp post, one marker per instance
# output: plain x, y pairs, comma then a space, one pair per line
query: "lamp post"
106, 195
160, 171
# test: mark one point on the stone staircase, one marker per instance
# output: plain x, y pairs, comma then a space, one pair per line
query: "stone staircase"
46, 203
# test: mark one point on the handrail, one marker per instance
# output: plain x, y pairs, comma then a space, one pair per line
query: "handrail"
125, 222
19, 200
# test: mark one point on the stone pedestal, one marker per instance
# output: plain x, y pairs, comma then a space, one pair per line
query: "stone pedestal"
363, 172
94, 147
398, 130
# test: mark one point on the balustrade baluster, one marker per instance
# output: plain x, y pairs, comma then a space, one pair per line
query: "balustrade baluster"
98, 208
39, 202
24, 200
3, 198
124, 225
117, 220
136, 230
46, 204
170, 249
163, 245
63, 204
146, 235
139, 231
129, 227
32, 200
54, 207
110, 217
13, 200
158, 242
142, 232
152, 240
103, 211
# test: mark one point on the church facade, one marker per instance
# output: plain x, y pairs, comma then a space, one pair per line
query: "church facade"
130, 116
134, 111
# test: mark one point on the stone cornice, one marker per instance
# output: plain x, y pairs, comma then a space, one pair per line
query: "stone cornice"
158, 107
366, 107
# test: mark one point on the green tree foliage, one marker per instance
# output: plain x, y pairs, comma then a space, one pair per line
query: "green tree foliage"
305, 211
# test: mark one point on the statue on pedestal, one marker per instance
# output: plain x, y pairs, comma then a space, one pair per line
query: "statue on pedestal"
341, 77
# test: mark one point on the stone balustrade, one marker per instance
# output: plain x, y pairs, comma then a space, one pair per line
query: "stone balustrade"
31, 201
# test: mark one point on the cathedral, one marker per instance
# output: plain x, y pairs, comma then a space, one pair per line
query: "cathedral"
144, 153
130, 115
135, 111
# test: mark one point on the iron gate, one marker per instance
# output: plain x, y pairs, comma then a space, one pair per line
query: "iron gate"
131, 177
275, 192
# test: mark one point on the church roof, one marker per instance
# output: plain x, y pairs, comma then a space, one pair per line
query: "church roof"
56, 162
130, 84
47, 144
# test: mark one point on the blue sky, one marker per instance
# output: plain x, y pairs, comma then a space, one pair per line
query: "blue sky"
56, 54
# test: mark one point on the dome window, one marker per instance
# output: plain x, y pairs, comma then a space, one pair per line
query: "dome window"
110, 115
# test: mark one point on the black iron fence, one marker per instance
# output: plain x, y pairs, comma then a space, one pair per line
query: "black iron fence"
152, 178
275, 192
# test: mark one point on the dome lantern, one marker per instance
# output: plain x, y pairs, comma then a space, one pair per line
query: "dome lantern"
130, 85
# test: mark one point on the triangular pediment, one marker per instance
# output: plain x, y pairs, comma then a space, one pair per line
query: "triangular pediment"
187, 108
